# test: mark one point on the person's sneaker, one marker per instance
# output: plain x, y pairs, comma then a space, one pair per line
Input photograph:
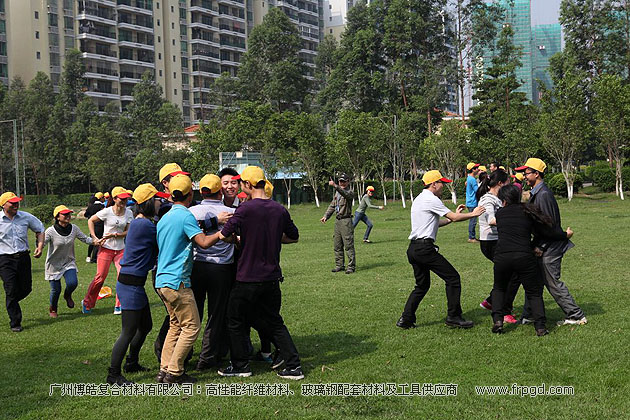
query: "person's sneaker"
131, 367
69, 301
295, 374
497, 328
459, 322
159, 378
229, 371
262, 357
88, 259
278, 361
486, 305
473, 241
404, 324
349, 271
117, 310
184, 378
17, 329
367, 241
337, 269
542, 331
509, 319
525, 321
52, 312
572, 321
84, 308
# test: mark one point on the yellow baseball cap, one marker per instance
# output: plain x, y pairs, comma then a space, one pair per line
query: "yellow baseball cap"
61, 209
482, 168
145, 192
171, 169
120, 192
181, 183
472, 165
9, 197
433, 176
533, 163
369, 188
210, 182
106, 194
253, 174
518, 176
502, 167
269, 189
98, 195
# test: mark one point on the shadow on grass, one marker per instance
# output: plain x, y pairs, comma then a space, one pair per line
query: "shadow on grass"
317, 350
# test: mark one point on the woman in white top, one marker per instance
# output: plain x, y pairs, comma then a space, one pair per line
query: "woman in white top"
488, 234
116, 220
60, 260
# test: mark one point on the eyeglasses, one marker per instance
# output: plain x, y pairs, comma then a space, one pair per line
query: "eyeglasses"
529, 173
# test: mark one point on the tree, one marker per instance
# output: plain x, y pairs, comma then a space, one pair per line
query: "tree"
271, 70
564, 119
308, 132
611, 105
445, 151
71, 84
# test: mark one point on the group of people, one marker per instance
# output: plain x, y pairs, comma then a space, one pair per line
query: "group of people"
223, 254
525, 241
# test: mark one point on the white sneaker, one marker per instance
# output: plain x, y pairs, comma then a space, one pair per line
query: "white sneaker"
88, 260
572, 321
117, 310
525, 321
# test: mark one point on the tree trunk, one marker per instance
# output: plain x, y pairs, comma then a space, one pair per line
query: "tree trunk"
454, 196
316, 197
569, 181
619, 178
402, 195
384, 192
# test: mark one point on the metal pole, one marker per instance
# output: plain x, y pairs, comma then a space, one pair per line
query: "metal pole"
17, 162
23, 159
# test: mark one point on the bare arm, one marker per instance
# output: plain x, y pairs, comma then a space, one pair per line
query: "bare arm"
40, 244
206, 241
91, 222
458, 216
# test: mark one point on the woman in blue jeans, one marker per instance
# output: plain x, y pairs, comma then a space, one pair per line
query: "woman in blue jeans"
360, 215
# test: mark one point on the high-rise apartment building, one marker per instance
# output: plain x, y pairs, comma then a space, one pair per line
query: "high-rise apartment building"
4, 61
537, 45
547, 42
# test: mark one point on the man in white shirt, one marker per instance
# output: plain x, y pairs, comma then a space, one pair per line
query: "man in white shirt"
423, 254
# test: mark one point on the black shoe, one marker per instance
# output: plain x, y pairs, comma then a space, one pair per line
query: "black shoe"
201, 365
278, 361
69, 301
337, 269
17, 329
243, 372
405, 325
184, 378
542, 331
116, 378
497, 328
296, 374
160, 377
458, 322
349, 271
131, 367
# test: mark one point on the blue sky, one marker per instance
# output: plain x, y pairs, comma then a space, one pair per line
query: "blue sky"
545, 11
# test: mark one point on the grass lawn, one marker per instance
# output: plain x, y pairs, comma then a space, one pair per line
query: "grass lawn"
343, 326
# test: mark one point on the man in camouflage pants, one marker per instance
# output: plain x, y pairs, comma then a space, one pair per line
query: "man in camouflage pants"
344, 232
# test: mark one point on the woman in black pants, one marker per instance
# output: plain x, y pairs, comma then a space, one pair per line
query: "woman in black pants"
138, 259
516, 222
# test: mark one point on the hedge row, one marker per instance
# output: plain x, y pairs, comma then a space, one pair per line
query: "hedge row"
70, 200
604, 178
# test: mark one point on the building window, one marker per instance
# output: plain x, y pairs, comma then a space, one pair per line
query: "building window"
36, 15
330, 18
39, 55
36, 34
159, 56
157, 5
174, 75
158, 22
175, 90
172, 25
331, 31
160, 73
173, 42
172, 10
174, 59
159, 38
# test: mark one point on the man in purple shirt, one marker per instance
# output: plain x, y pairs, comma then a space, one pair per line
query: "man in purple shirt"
264, 225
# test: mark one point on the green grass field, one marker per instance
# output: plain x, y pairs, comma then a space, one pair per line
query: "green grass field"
343, 326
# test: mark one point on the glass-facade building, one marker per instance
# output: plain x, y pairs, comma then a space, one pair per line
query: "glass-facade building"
547, 42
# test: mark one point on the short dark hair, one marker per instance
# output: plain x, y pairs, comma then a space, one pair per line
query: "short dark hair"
178, 196
227, 171
147, 209
206, 194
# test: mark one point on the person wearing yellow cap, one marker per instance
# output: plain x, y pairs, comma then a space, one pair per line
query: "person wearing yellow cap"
116, 221
213, 273
230, 186
138, 259
550, 252
343, 237
359, 214
177, 231
263, 225
517, 181
15, 262
60, 259
426, 210
95, 205
471, 198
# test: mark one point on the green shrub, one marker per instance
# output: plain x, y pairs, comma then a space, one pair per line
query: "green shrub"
43, 212
558, 185
604, 178
70, 200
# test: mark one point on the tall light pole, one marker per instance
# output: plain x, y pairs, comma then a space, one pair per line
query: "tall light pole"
15, 153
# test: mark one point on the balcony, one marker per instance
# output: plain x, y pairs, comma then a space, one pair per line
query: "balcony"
53, 29
135, 27
97, 34
68, 12
204, 25
101, 73
134, 42
110, 3
141, 63
97, 15
202, 4
231, 44
136, 6
111, 93
203, 41
232, 30
237, 3
230, 16
93, 55
53, 49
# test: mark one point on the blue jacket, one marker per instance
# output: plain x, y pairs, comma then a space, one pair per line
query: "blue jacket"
471, 191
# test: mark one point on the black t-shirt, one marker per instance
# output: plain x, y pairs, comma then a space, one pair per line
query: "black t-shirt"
99, 226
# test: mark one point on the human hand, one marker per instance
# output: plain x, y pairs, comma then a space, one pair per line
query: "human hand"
223, 217
478, 211
323, 219
331, 183
381, 207
538, 252
460, 208
569, 233
38, 252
